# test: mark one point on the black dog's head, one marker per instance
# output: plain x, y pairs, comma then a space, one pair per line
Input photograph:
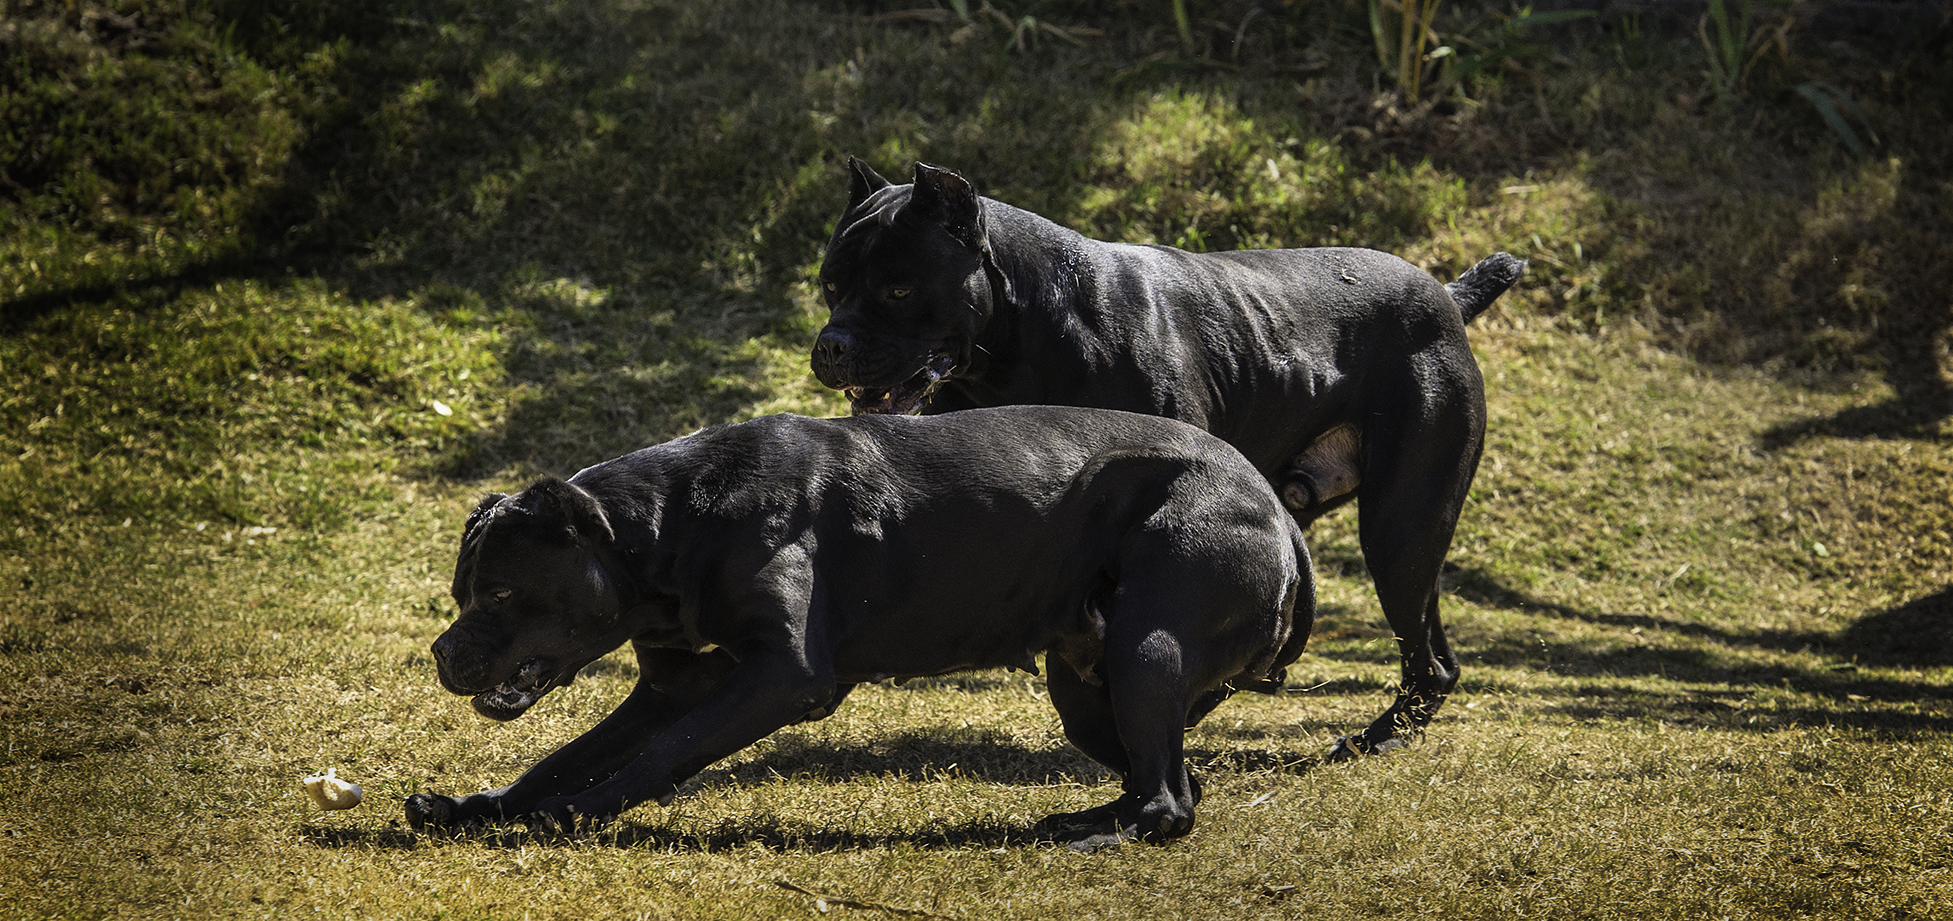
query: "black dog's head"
537, 601
905, 289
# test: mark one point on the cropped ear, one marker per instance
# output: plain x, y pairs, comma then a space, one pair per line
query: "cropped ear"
863, 181
943, 198
554, 502
479, 515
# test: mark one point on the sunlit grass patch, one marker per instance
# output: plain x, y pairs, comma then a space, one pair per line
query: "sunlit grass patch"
239, 405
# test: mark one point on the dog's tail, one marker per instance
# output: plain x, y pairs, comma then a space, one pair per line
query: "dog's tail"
1483, 283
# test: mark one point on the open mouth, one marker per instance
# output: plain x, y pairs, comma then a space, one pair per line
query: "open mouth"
904, 399
517, 694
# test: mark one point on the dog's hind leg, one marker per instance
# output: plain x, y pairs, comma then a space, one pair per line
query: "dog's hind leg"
1146, 670
1132, 726
1154, 675
1085, 709
1421, 464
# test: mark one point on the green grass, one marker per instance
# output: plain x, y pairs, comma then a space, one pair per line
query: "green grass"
1702, 589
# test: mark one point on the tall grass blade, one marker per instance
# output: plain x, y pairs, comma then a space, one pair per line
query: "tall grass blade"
1726, 51
1407, 62
1529, 19
1828, 100
1377, 33
1424, 37
1184, 24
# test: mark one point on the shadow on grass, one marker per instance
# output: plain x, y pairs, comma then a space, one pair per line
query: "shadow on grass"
1918, 633
1858, 668
1735, 711
983, 756
1885, 301
731, 834
978, 753
142, 291
631, 193
1478, 586
1918, 412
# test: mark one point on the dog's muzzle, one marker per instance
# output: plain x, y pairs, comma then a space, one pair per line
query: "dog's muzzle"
509, 699
904, 399
838, 362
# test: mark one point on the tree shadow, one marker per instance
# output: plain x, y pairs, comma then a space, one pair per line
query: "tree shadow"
631, 193
1918, 633
1870, 273
140, 291
628, 194
1918, 412
1481, 587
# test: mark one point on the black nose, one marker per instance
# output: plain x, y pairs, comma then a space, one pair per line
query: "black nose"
442, 648
833, 343
830, 356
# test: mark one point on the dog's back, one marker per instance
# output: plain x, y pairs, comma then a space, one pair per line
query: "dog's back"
982, 534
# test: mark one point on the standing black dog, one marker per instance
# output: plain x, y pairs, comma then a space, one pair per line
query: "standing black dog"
760, 570
1340, 373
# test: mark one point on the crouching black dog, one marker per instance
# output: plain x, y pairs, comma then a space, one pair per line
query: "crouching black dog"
1340, 373
761, 570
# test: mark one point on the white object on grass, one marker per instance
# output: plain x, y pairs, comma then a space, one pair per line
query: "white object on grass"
332, 793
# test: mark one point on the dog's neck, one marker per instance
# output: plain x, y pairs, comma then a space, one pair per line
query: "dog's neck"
1030, 266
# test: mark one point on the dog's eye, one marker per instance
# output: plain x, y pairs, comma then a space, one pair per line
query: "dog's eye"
898, 292
829, 286
502, 594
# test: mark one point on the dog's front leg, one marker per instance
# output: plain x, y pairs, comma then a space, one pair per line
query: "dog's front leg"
769, 689
671, 682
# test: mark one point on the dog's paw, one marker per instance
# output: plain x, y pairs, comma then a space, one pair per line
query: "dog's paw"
1069, 826
1088, 830
1102, 841
1127, 818
427, 811
1352, 747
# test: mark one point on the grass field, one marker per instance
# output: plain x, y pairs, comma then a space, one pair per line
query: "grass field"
285, 288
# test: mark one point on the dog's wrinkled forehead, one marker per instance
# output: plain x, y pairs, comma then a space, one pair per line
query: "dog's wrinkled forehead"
484, 511
865, 226
492, 507
525, 514
893, 214
882, 207
887, 244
